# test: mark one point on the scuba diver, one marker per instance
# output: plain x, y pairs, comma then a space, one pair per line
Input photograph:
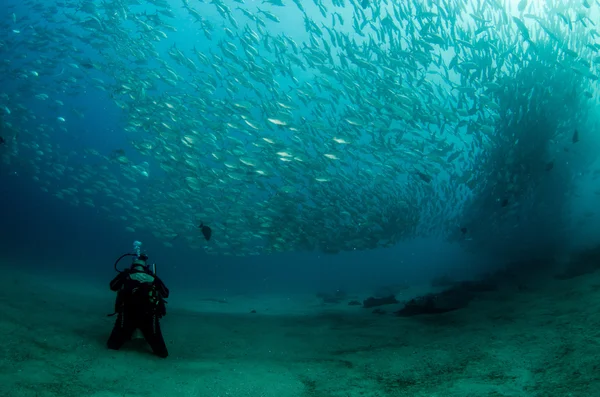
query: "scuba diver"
140, 303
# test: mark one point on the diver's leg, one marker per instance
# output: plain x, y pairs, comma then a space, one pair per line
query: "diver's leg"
153, 335
121, 332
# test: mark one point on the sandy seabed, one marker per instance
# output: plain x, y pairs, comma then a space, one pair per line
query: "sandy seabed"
540, 341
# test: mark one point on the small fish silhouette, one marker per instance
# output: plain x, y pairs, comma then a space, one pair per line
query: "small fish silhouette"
206, 231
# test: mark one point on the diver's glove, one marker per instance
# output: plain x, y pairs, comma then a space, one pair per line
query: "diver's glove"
142, 277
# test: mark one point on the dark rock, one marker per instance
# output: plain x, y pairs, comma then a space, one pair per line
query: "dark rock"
446, 301
477, 286
374, 302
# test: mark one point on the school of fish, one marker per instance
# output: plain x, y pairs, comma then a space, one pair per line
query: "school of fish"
290, 125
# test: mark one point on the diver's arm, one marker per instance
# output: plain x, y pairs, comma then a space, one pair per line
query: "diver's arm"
118, 281
161, 287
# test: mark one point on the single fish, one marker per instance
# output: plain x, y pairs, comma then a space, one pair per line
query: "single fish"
576, 136
206, 231
549, 166
464, 230
424, 177
504, 202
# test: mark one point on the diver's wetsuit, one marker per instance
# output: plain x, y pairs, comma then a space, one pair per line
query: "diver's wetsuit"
140, 305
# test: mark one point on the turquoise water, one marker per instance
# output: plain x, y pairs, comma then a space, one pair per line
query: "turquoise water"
337, 151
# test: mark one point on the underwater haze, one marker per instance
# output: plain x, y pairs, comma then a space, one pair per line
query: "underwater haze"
326, 187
